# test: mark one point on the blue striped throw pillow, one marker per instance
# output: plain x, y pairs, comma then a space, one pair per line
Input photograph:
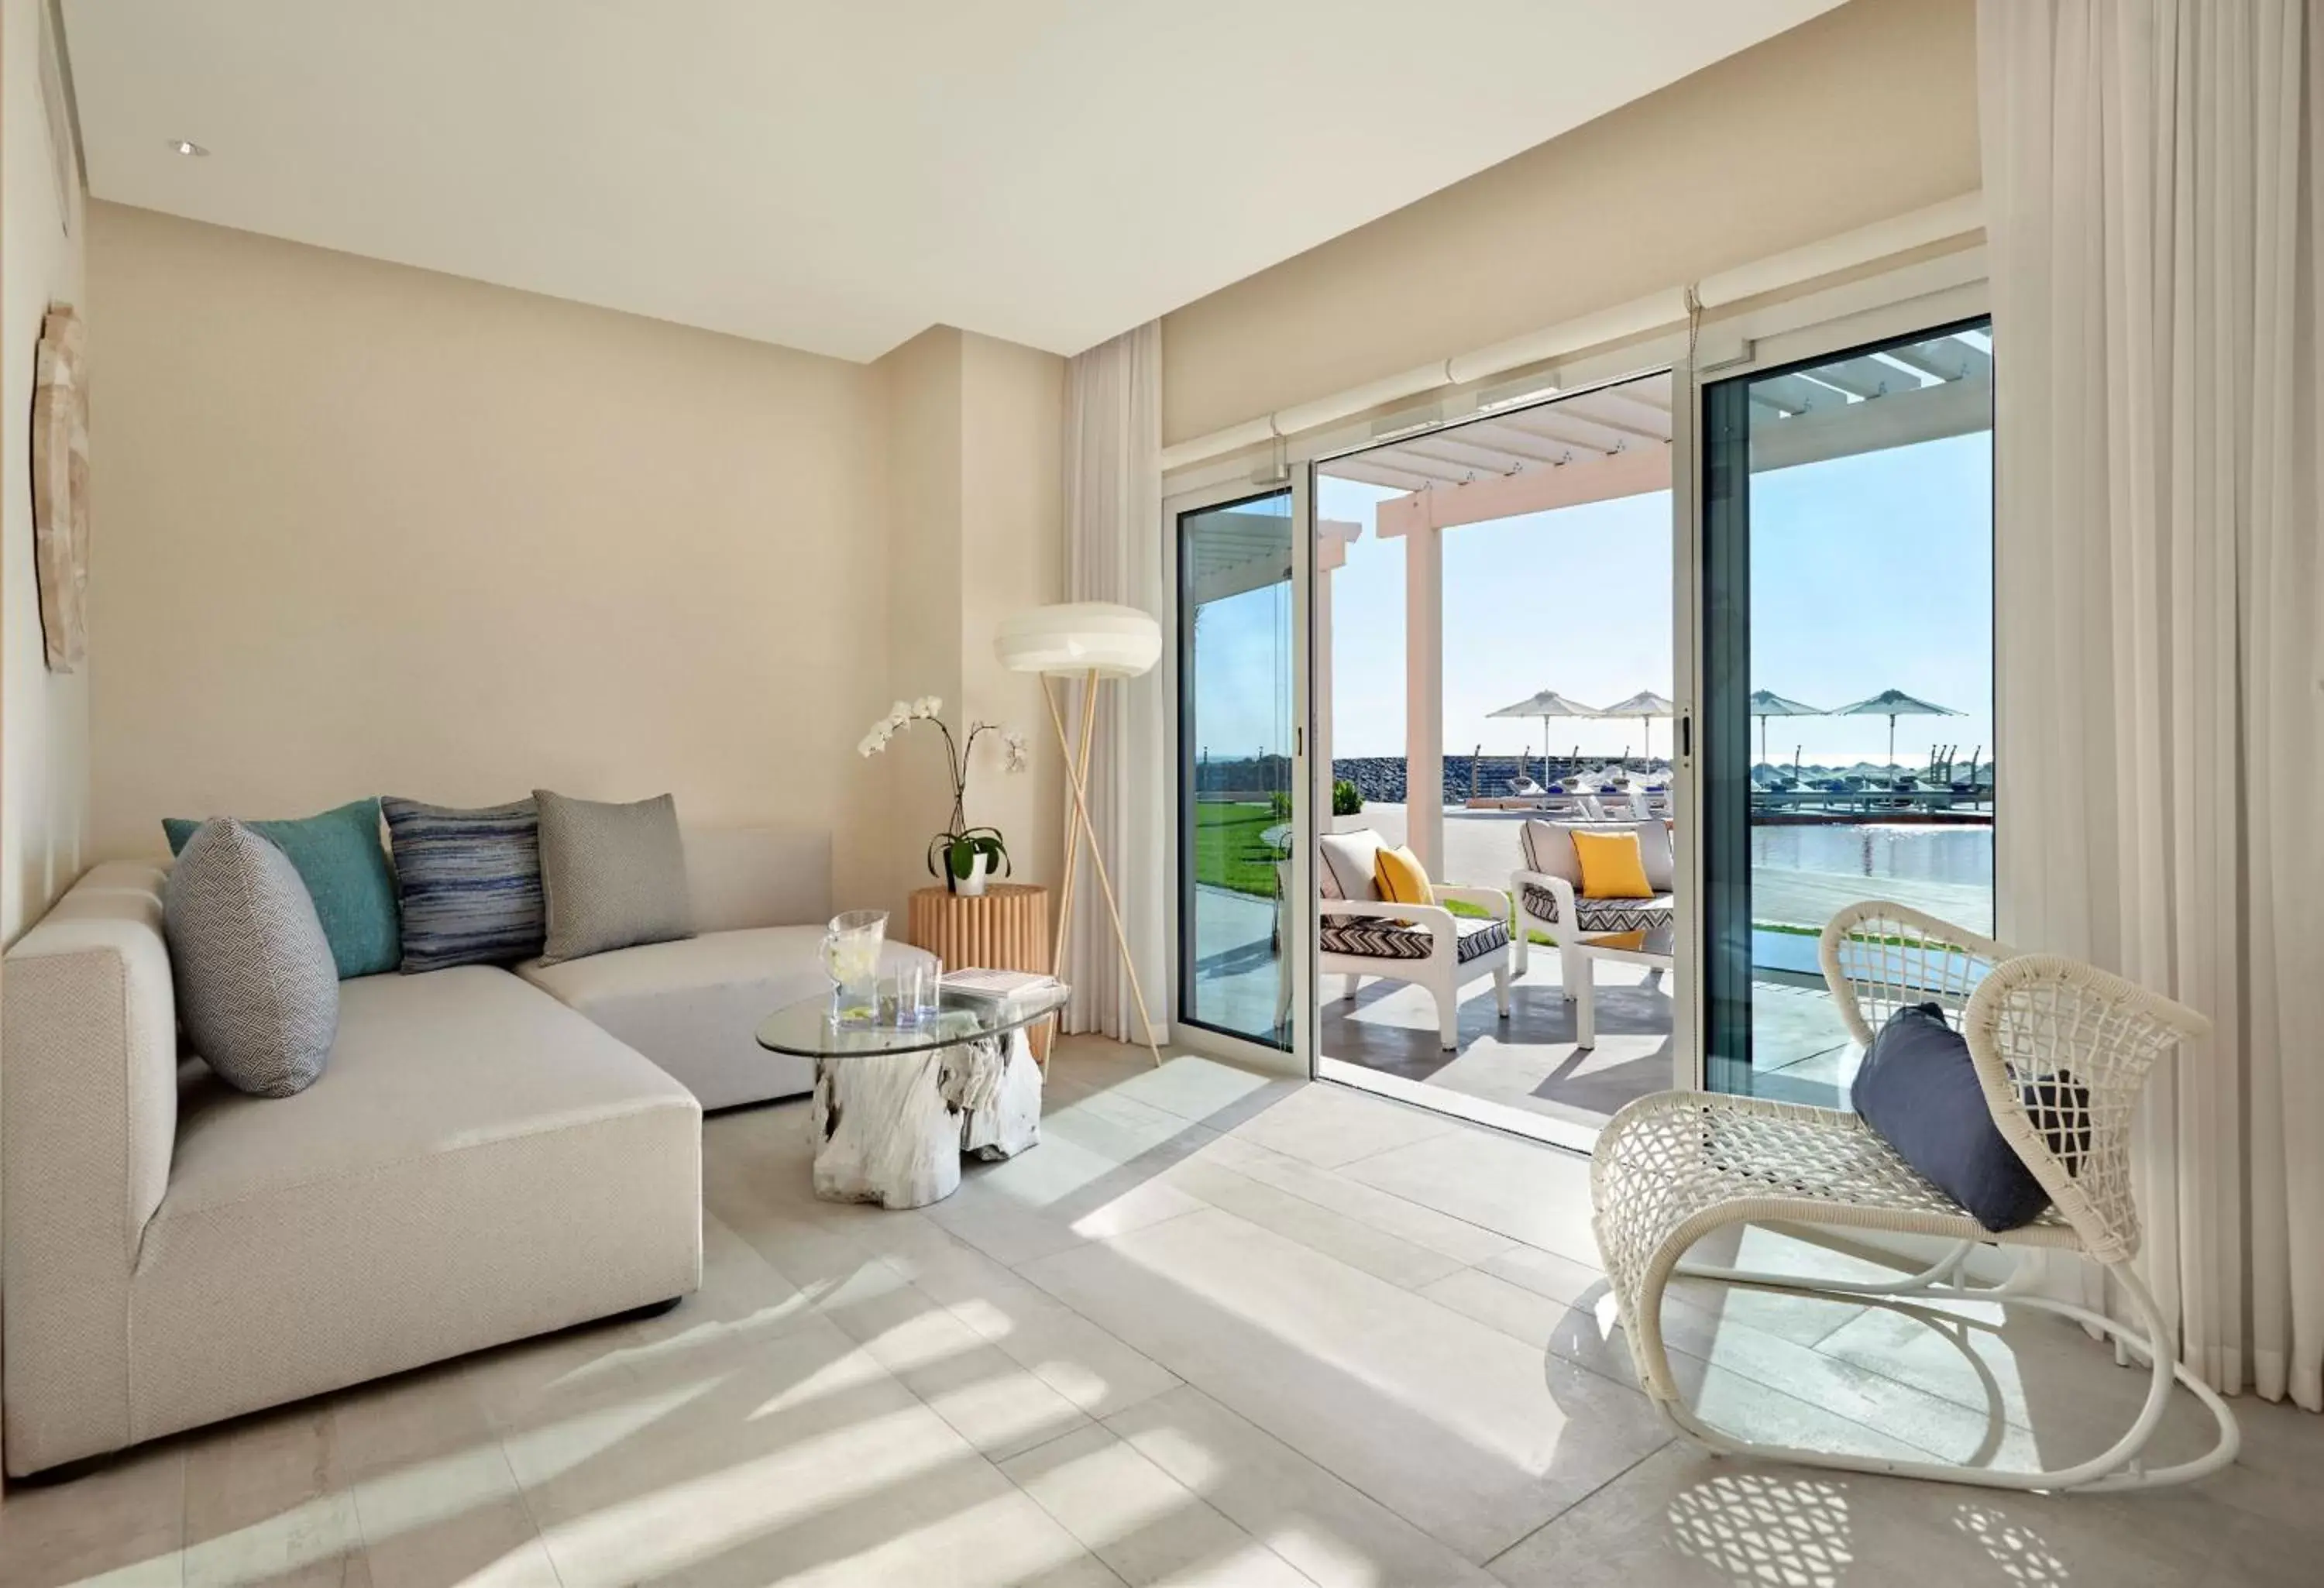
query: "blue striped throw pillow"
469, 881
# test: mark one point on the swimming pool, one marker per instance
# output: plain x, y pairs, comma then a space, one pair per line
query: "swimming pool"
1916, 853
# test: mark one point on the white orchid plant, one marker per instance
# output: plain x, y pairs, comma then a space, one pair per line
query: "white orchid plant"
961, 843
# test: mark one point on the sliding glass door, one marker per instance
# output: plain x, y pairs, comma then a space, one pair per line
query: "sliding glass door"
1236, 766
1496, 664
1748, 619
1846, 666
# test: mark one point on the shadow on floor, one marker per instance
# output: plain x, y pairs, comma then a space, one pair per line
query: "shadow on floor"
1529, 1060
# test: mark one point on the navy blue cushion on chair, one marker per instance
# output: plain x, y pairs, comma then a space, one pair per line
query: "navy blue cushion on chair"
1919, 1090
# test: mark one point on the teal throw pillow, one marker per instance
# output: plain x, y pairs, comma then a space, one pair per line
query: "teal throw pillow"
339, 857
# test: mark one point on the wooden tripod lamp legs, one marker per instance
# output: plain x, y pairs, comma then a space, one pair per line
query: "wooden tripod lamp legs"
1077, 826
1077, 778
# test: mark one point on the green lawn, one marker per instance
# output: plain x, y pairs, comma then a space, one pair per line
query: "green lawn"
1228, 853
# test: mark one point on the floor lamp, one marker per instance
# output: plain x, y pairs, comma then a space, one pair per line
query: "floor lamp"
1093, 641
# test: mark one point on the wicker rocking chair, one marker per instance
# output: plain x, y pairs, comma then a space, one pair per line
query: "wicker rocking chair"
2062, 1050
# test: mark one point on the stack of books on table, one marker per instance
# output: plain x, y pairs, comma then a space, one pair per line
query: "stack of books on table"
1002, 988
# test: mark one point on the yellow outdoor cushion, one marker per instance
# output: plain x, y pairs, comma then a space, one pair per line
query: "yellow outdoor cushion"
1401, 879
1611, 867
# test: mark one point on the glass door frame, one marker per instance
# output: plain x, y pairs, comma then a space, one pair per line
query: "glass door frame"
1294, 466
1890, 319
1510, 398
1296, 958
1913, 295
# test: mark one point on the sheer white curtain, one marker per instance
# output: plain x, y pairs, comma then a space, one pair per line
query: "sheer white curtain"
2155, 171
1113, 552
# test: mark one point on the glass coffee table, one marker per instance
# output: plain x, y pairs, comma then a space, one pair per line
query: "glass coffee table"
898, 1103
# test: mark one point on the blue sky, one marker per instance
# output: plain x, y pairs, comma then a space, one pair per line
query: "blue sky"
1868, 573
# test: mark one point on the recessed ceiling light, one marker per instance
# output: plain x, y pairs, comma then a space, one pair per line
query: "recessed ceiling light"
188, 147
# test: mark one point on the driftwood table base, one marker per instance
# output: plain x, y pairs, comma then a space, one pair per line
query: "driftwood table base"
892, 1128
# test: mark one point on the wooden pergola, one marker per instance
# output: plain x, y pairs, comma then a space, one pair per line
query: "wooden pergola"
1601, 446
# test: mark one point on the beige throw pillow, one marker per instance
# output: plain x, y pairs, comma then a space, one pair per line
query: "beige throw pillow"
1352, 859
611, 875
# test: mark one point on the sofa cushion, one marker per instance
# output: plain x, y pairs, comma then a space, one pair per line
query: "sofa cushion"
692, 1006
1599, 915
477, 1164
1352, 859
1611, 865
422, 1066
339, 857
469, 882
1369, 937
1549, 850
91, 1083
1918, 1088
257, 990
1399, 878
612, 875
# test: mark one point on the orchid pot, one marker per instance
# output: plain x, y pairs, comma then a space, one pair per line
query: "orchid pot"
966, 860
965, 857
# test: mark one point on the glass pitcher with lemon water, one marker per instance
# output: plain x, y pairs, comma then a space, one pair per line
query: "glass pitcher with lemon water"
850, 958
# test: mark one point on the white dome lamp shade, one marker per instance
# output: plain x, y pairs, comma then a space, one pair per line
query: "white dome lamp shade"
1095, 641
1083, 637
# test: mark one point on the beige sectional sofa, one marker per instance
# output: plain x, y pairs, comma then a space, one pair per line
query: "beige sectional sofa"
488, 1155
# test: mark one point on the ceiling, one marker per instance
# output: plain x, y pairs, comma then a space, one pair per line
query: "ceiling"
837, 176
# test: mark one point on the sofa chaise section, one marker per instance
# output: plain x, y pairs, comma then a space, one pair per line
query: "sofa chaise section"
478, 1163
761, 897
693, 1006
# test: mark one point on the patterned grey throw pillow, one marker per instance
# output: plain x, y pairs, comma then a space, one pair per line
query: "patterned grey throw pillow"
468, 882
257, 989
612, 875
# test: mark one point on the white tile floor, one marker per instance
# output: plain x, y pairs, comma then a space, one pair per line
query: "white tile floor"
1213, 1330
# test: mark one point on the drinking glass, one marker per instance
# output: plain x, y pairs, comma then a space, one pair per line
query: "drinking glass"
918, 986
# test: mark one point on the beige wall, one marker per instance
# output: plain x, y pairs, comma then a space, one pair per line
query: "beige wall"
1012, 557
920, 383
1866, 112
43, 715
370, 529
975, 426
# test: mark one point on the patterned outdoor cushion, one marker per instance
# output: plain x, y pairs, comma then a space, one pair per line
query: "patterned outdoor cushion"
1368, 938
1623, 915
469, 882
257, 990
1602, 915
1481, 938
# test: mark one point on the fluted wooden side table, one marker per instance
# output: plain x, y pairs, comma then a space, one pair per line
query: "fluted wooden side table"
1004, 929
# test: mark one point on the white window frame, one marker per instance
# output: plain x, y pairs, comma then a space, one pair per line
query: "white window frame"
1875, 306
1297, 954
1785, 340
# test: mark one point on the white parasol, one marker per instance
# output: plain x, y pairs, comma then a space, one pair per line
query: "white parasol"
1893, 704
